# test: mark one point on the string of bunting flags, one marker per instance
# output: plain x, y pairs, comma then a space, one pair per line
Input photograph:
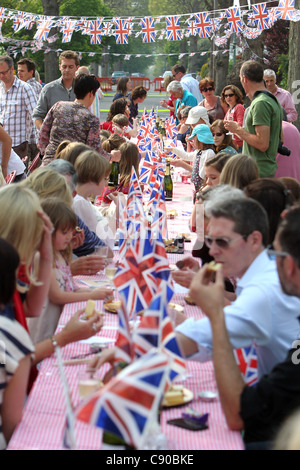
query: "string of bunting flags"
218, 25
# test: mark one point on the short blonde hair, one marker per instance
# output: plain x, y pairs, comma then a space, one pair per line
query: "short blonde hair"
20, 222
91, 167
46, 182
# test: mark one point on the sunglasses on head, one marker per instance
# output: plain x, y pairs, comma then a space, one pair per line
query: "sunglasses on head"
210, 88
221, 242
229, 95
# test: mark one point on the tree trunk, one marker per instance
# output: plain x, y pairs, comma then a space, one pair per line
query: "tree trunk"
221, 64
51, 8
294, 64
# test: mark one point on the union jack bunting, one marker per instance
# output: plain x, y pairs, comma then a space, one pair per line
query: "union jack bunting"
216, 23
192, 29
148, 29
156, 330
204, 25
43, 30
261, 16
171, 128
95, 31
18, 20
121, 30
124, 345
272, 12
173, 28
285, 9
247, 361
234, 19
68, 30
127, 406
107, 29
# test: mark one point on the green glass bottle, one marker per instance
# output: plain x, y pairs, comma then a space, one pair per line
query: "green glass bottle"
114, 177
168, 182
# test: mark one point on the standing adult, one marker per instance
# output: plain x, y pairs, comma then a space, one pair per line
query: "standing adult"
188, 82
212, 103
72, 121
262, 130
138, 95
233, 97
183, 97
61, 89
95, 107
26, 73
284, 97
124, 87
17, 102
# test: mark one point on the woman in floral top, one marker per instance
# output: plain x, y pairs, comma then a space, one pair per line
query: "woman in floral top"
72, 121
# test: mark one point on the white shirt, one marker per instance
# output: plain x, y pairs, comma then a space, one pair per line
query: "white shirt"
261, 313
14, 162
192, 85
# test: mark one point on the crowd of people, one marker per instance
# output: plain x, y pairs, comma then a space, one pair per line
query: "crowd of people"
246, 209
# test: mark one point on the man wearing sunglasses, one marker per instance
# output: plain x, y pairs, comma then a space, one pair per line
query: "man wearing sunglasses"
188, 82
237, 236
262, 409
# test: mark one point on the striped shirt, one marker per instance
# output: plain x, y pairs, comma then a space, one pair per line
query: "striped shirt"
37, 88
15, 344
16, 107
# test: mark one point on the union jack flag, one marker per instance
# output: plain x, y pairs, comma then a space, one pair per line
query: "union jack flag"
173, 28
156, 331
148, 29
159, 222
147, 169
127, 406
171, 128
247, 361
95, 31
261, 16
121, 30
285, 9
234, 19
124, 345
18, 20
68, 30
192, 29
145, 129
204, 25
107, 29
135, 279
83, 25
43, 30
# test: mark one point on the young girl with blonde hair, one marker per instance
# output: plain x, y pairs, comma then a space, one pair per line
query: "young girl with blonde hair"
62, 287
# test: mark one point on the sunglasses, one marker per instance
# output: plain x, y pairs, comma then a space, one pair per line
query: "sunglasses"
230, 95
272, 254
210, 88
221, 242
217, 134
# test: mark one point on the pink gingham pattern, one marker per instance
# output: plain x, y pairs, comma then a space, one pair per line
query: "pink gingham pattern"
43, 420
